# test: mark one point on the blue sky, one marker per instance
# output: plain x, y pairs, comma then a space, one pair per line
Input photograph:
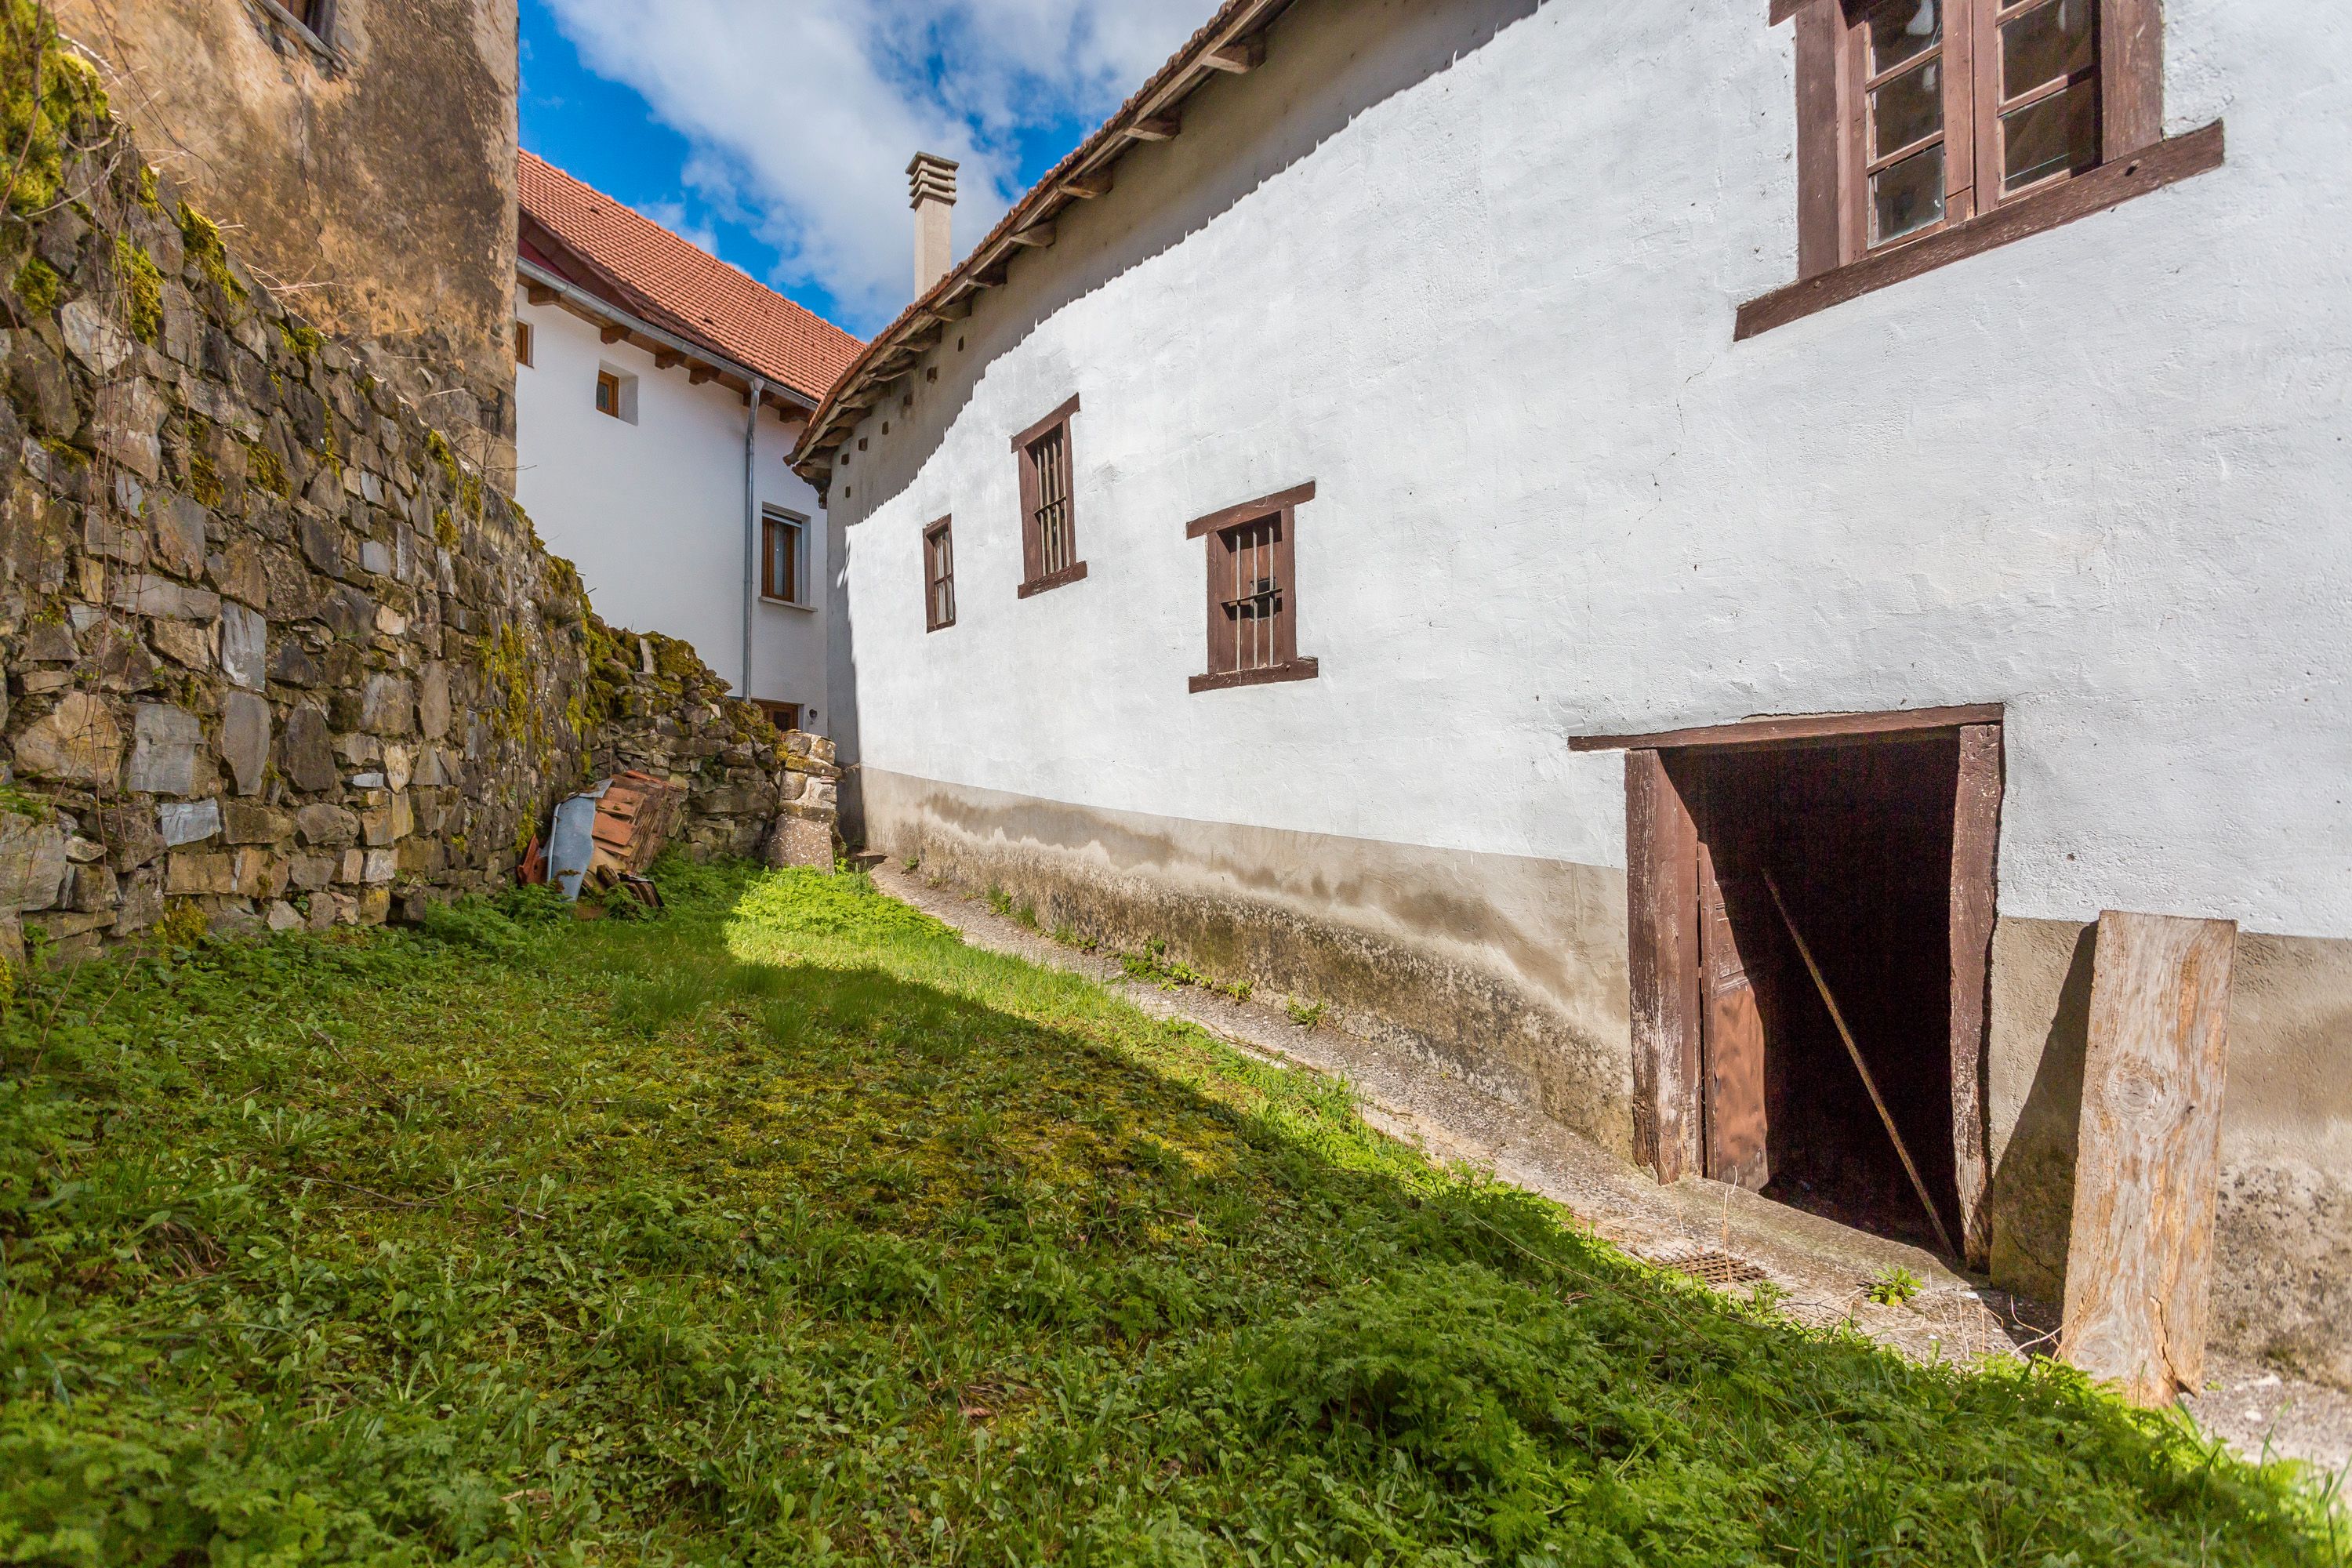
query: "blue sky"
775, 132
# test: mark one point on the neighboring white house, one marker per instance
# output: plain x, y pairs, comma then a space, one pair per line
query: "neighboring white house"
636, 355
1438, 500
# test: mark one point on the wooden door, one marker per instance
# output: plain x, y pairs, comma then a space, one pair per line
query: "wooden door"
1731, 1037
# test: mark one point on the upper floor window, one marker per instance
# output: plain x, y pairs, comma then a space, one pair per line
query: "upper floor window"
1931, 130
522, 344
783, 556
1253, 593
616, 395
939, 575
1049, 520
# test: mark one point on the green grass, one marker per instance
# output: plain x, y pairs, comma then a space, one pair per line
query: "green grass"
788, 1229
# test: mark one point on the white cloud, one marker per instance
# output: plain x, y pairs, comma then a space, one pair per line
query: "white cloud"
673, 217
802, 113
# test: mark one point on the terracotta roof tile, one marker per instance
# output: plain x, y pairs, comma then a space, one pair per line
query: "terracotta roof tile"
686, 289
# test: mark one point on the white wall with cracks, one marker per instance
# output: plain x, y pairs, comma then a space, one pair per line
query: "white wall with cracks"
1471, 268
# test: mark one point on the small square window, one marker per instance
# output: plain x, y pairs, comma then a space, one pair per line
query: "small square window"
939, 575
616, 395
522, 345
783, 557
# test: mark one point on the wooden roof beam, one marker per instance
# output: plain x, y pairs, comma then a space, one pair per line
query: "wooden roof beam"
1039, 234
613, 333
1241, 55
1154, 127
538, 293
1087, 186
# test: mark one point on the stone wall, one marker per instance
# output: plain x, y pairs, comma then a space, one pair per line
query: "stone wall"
275, 652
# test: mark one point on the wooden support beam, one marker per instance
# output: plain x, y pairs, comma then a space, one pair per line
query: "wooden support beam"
1087, 186
2139, 1255
956, 309
612, 334
1243, 55
701, 373
538, 293
667, 358
1039, 234
1661, 909
1157, 128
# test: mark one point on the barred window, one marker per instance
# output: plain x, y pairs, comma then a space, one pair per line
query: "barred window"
1049, 522
1253, 592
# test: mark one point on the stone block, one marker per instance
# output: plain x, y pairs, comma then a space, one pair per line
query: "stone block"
398, 767
244, 738
255, 873
51, 642
237, 573
306, 752
380, 866
322, 544
142, 894
374, 906
352, 867
102, 537
384, 705
251, 822
32, 861
329, 825
125, 422
164, 745
244, 644
293, 665
176, 534
311, 871
433, 701
92, 336
77, 742
187, 822
187, 873
145, 593
132, 839
283, 916
95, 889
800, 841
375, 556
183, 643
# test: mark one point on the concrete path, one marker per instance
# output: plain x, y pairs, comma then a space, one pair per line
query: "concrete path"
1825, 1269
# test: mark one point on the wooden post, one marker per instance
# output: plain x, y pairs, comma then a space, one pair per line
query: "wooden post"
1662, 968
2139, 1264
1975, 843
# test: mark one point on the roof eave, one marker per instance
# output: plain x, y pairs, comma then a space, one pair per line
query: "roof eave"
662, 343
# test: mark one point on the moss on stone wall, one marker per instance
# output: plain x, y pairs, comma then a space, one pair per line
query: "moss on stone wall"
53, 102
143, 291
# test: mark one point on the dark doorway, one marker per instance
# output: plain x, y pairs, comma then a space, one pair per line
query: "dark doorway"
1856, 837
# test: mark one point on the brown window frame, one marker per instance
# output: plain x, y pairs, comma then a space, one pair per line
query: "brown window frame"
1048, 461
785, 716
1837, 261
525, 349
1225, 531
939, 575
607, 381
773, 521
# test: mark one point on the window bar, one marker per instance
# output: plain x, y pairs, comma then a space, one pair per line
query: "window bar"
1256, 598
1052, 503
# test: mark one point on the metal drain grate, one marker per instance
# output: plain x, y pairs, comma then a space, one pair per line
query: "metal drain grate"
1718, 1268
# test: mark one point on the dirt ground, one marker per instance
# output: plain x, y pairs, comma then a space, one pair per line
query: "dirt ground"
1730, 1237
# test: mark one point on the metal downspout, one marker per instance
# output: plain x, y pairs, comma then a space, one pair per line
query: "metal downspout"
750, 525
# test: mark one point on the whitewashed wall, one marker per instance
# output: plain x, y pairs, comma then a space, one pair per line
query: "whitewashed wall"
1480, 289
652, 512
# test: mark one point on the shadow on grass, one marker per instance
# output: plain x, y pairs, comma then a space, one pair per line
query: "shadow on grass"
788, 1228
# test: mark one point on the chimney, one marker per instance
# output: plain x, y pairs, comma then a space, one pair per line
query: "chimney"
931, 182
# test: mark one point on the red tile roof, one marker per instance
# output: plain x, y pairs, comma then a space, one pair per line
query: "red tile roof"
685, 290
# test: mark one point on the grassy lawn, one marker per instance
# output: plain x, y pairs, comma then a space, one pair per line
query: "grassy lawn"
789, 1229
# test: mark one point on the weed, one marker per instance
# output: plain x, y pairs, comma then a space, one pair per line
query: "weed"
1305, 1013
999, 899
1895, 1286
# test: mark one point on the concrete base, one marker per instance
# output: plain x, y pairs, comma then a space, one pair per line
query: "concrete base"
1507, 973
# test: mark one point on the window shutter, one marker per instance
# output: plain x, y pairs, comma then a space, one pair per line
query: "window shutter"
1821, 136
2131, 76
